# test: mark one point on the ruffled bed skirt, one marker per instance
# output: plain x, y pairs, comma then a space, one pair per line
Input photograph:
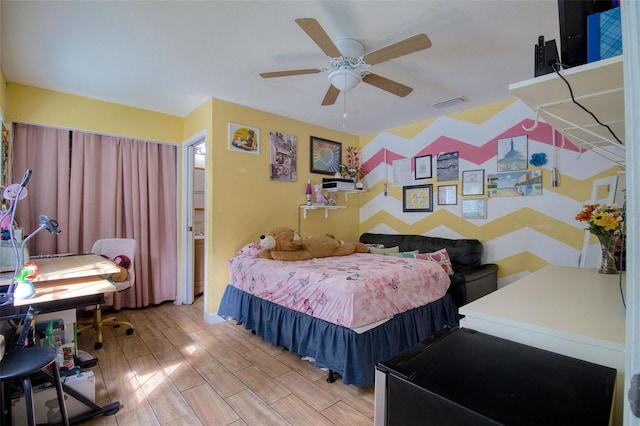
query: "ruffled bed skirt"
352, 355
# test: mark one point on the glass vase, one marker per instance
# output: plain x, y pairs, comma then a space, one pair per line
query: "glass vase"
607, 247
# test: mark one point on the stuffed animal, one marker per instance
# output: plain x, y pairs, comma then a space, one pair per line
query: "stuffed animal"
286, 244
320, 199
283, 244
122, 262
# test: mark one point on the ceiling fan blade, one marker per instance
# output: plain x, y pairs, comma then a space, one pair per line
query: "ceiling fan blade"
288, 73
331, 96
390, 86
319, 36
404, 47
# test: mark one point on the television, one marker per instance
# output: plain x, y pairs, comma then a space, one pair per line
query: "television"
572, 16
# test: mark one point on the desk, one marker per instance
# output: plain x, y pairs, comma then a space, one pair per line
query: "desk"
572, 311
68, 282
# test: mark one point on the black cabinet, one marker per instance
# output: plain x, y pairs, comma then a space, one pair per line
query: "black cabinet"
465, 377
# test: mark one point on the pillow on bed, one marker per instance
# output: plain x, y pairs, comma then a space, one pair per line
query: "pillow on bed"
375, 245
441, 257
409, 254
250, 250
374, 250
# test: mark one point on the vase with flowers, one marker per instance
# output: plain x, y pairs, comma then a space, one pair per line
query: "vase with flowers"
605, 222
352, 168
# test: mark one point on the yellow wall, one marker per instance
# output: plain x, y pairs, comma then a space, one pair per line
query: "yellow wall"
242, 201
28, 104
3, 93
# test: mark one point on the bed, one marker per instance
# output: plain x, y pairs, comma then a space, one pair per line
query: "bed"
346, 313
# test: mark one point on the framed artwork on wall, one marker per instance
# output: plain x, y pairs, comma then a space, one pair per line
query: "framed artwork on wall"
474, 208
5, 155
244, 138
473, 182
447, 165
417, 198
447, 195
325, 157
512, 154
283, 154
422, 167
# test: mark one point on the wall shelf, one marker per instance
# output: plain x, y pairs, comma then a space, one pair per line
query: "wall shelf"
346, 192
305, 208
599, 87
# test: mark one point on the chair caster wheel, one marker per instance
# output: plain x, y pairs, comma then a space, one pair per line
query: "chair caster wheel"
97, 345
129, 331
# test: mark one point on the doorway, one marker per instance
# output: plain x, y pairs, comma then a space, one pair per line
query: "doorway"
193, 231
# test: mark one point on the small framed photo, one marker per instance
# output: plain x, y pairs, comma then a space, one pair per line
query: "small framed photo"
422, 166
417, 198
447, 195
473, 182
474, 208
244, 138
326, 156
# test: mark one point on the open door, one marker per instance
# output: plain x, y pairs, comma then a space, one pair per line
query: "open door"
187, 231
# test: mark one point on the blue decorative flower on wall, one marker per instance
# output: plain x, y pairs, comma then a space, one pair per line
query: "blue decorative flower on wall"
538, 160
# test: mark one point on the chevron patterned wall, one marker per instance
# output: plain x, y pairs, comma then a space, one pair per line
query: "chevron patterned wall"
520, 234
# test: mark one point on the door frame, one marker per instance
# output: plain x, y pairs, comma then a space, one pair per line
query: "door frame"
186, 223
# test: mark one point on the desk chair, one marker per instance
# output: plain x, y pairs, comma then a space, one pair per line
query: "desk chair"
22, 362
112, 247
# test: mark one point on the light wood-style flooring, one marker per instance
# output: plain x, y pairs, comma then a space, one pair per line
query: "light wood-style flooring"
176, 369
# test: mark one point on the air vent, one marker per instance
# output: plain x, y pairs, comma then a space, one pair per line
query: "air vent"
450, 102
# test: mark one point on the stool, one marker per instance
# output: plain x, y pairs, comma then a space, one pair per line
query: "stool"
22, 362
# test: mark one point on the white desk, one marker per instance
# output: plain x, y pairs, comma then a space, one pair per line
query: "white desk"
572, 311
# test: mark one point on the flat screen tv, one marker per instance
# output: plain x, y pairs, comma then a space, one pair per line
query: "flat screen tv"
573, 28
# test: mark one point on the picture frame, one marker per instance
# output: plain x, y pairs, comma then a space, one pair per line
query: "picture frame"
244, 138
325, 156
417, 198
283, 157
473, 182
447, 166
474, 208
447, 195
422, 166
512, 154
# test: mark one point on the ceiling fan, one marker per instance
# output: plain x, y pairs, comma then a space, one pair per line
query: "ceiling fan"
349, 64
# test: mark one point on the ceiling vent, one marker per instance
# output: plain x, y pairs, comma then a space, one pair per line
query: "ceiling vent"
450, 102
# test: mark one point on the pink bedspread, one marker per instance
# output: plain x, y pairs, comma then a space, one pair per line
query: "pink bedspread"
351, 291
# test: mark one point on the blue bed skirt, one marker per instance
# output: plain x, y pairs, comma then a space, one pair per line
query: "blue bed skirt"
352, 355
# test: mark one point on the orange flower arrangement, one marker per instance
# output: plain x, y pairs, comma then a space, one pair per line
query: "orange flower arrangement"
602, 220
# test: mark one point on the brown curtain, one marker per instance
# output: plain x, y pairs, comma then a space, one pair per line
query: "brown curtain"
121, 188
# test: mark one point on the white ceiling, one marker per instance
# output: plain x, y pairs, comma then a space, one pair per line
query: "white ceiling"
172, 56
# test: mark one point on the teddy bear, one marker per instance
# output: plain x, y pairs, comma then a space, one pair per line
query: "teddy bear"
283, 244
286, 244
122, 262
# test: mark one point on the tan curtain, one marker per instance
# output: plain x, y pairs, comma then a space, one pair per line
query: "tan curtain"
114, 188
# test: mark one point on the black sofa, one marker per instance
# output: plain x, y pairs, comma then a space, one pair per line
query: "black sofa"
471, 279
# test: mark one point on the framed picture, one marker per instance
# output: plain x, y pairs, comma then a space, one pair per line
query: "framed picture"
283, 154
326, 156
473, 182
244, 138
474, 208
447, 165
5, 155
422, 166
515, 184
417, 198
447, 195
512, 154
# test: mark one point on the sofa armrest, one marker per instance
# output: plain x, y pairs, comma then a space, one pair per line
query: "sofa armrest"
473, 283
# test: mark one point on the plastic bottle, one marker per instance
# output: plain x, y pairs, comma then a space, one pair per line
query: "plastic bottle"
50, 342
309, 192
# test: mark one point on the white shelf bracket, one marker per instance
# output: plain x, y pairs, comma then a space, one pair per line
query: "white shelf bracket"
535, 123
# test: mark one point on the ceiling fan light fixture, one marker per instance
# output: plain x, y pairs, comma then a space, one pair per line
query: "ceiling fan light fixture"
450, 102
344, 79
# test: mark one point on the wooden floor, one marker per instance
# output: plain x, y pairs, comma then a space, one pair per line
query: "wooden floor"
176, 369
